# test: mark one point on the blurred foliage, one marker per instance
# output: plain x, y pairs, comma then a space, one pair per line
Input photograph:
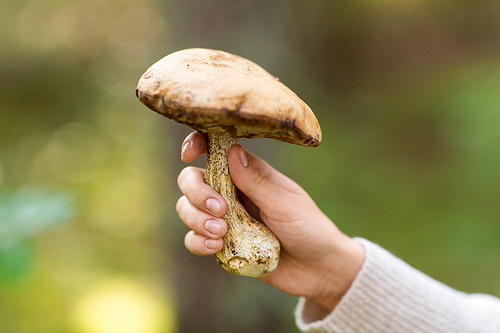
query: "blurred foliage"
28, 211
407, 94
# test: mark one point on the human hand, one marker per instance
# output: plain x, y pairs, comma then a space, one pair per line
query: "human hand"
317, 260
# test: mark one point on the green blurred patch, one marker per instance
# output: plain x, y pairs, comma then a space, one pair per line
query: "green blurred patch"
24, 214
417, 171
14, 262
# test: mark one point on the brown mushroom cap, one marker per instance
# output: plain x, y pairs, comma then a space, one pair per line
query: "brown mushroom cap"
216, 91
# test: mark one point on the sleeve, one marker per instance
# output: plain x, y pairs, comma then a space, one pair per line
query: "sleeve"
390, 296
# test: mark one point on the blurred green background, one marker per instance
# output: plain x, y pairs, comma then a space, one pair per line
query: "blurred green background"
408, 96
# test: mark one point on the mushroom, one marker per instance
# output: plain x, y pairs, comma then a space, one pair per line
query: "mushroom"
229, 97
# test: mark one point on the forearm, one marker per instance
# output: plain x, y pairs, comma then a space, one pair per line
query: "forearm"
390, 296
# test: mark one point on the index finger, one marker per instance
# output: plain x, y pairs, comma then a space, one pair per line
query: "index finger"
194, 145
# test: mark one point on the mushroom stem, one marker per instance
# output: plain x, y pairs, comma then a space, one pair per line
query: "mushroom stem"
250, 248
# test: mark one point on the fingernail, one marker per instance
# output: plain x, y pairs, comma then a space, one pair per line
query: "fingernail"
186, 146
243, 157
211, 244
213, 205
212, 226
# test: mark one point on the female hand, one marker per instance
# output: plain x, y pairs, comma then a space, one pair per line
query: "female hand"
317, 260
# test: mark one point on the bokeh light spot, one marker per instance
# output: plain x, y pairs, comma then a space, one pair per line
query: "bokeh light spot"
119, 305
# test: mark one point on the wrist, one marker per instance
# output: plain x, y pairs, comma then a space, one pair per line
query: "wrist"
339, 272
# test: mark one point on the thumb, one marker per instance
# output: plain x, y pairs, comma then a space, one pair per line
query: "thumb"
251, 175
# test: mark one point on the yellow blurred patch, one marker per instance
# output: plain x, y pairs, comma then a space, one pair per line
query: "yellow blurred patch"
125, 306
122, 205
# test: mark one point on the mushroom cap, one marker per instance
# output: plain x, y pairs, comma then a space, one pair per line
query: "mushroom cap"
215, 91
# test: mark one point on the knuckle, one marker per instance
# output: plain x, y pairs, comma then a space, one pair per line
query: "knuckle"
191, 218
181, 202
184, 174
188, 240
195, 243
257, 182
198, 194
192, 185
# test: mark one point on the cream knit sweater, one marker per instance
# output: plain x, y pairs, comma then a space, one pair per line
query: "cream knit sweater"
390, 296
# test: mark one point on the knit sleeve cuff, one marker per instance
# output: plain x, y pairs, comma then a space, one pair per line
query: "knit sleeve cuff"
388, 295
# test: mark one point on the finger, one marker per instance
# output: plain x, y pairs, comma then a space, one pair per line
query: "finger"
201, 245
274, 176
194, 145
201, 195
200, 222
256, 184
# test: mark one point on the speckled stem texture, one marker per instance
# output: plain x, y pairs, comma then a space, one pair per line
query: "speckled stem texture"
250, 248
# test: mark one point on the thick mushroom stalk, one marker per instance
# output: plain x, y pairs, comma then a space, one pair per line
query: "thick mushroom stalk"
250, 248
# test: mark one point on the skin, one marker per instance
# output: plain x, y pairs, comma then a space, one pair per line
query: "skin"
317, 260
